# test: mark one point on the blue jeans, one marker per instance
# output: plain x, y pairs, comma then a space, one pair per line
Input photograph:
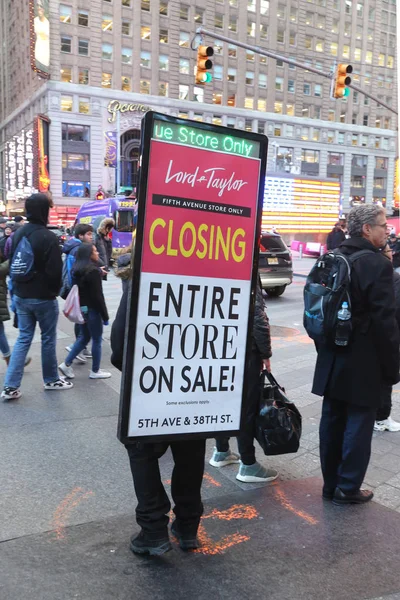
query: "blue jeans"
31, 311
92, 328
4, 347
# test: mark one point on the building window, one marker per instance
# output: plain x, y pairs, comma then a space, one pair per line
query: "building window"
66, 44
217, 98
306, 111
183, 92
261, 105
249, 103
65, 13
305, 134
317, 112
289, 130
310, 156
144, 86
145, 33
341, 139
368, 56
318, 90
66, 74
163, 36
83, 47
251, 5
183, 15
232, 51
126, 2
83, 77
284, 159
76, 189
250, 56
359, 160
218, 71
145, 5
251, 28
292, 38
316, 135
75, 133
357, 181
390, 62
219, 21
106, 80
184, 66
280, 36
126, 27
281, 11
163, 88
310, 18
126, 55
198, 16
66, 103
354, 140
347, 7
278, 108
331, 137
320, 21
184, 39
319, 45
84, 105
249, 77
262, 80
264, 7
83, 18
163, 62
126, 83
279, 84
80, 162
307, 89
336, 159
164, 8
145, 59
290, 110
106, 51
231, 74
308, 42
107, 23
293, 14
263, 31
381, 162
334, 48
380, 183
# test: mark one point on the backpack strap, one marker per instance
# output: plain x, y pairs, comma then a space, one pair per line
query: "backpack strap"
356, 255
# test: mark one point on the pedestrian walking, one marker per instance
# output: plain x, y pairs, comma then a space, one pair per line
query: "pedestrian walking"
4, 312
153, 505
36, 253
86, 274
3, 223
104, 242
83, 234
250, 471
384, 421
124, 270
350, 377
8, 244
335, 237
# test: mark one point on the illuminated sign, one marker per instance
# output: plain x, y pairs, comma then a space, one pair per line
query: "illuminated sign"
208, 140
40, 37
114, 107
19, 164
41, 176
110, 158
300, 205
396, 192
199, 218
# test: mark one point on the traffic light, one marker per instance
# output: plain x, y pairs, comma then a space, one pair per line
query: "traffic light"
342, 80
204, 64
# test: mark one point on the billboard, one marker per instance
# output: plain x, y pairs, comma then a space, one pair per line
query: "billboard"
41, 177
19, 165
110, 158
300, 205
40, 37
189, 322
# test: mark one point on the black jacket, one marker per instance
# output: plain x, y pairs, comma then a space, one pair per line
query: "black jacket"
91, 291
335, 238
46, 281
261, 329
396, 283
354, 374
4, 313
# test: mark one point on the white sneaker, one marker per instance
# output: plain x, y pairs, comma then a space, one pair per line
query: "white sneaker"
86, 353
387, 425
99, 375
256, 473
80, 358
221, 459
67, 371
59, 384
10, 394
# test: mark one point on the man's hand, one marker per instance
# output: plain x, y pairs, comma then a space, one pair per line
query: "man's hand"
267, 364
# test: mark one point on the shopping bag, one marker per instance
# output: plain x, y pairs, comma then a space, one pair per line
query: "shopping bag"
72, 307
278, 422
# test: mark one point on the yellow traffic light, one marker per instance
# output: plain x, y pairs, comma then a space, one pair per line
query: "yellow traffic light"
204, 64
342, 80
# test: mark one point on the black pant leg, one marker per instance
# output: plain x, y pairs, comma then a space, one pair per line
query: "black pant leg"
356, 450
385, 408
153, 503
331, 432
247, 431
187, 478
222, 444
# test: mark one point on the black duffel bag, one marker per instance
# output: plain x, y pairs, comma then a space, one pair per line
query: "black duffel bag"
278, 422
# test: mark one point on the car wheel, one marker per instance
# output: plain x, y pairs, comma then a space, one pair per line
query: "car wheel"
276, 291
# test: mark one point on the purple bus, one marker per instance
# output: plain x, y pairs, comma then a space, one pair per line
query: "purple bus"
122, 210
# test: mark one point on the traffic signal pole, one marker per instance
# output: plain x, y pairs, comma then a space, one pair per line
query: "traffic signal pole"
289, 61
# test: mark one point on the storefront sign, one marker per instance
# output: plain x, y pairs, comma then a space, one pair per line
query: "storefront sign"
187, 338
115, 107
40, 37
110, 158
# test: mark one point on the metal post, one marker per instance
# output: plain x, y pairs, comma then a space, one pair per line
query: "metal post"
118, 178
301, 251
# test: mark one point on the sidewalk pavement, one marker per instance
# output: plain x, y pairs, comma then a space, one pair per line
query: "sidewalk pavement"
302, 266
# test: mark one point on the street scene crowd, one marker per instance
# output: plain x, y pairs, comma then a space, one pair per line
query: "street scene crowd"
354, 375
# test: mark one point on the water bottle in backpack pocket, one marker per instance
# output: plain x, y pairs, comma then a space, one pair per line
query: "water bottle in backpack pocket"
23, 261
343, 326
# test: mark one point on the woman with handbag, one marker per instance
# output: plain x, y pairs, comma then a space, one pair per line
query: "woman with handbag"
87, 276
250, 471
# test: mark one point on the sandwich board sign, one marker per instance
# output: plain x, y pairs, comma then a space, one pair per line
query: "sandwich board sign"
190, 310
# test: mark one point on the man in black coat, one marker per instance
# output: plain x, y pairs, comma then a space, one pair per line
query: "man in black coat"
350, 378
335, 237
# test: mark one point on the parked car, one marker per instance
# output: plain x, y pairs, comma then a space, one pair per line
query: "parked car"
274, 264
60, 233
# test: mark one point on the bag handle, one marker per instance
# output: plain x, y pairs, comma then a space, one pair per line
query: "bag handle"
272, 379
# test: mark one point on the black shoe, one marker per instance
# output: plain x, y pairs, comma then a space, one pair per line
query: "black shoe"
327, 493
142, 544
187, 539
360, 497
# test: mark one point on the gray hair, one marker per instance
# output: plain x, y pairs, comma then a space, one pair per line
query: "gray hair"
362, 215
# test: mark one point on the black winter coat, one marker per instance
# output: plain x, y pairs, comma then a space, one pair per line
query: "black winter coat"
4, 313
334, 239
354, 374
104, 247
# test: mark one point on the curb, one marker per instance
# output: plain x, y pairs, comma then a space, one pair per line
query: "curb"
300, 275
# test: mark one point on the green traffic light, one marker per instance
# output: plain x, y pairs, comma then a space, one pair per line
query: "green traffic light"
346, 92
208, 77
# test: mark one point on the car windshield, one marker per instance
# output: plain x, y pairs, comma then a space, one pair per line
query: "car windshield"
272, 242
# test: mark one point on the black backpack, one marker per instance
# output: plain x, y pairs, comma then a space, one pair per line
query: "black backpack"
327, 287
